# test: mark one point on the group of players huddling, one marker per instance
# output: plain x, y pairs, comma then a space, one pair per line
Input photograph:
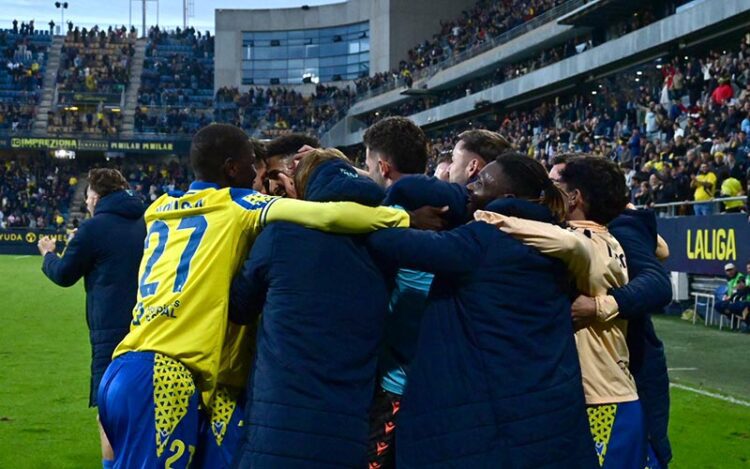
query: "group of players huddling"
294, 311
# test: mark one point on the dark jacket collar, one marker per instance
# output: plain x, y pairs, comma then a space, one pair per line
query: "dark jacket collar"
645, 218
417, 190
337, 181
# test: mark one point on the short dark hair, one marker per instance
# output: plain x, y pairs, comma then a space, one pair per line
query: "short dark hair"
105, 181
561, 158
212, 145
401, 141
443, 159
259, 148
602, 185
289, 144
527, 179
485, 143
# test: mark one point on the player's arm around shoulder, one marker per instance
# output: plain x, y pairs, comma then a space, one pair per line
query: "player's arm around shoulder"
334, 217
547, 238
448, 252
249, 207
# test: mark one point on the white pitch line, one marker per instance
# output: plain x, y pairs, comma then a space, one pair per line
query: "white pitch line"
682, 369
21, 257
721, 397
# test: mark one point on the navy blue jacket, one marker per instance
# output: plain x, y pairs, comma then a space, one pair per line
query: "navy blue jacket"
495, 381
648, 291
409, 297
323, 302
417, 190
106, 251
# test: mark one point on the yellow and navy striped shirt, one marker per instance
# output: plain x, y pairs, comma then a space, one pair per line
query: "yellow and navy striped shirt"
195, 243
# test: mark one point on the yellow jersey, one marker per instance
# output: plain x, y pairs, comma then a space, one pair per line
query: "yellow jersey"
731, 187
702, 193
195, 243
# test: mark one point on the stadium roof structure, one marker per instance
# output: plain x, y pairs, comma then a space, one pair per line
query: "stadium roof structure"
593, 13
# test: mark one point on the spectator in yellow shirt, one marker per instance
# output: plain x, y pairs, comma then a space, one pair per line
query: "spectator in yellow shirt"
705, 186
90, 83
732, 187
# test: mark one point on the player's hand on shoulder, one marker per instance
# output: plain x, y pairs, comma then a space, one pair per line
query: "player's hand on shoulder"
428, 218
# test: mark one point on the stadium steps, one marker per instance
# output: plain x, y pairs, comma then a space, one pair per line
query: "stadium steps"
48, 86
131, 95
78, 200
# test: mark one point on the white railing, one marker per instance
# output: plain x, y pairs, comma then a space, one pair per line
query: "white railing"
670, 208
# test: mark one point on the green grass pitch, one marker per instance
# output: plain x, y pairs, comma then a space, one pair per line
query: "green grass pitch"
44, 380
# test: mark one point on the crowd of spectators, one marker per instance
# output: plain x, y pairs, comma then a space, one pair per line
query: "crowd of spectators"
152, 176
486, 20
499, 75
176, 93
94, 73
17, 117
263, 112
23, 54
35, 191
171, 120
97, 120
178, 68
516, 68
678, 127
271, 111
96, 60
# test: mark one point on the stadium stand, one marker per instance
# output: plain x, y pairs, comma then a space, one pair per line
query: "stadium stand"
96, 60
23, 56
688, 108
485, 21
177, 83
512, 69
93, 75
273, 111
175, 111
97, 120
150, 177
35, 191
495, 77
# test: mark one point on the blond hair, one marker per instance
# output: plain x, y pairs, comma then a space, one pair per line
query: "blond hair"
310, 162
